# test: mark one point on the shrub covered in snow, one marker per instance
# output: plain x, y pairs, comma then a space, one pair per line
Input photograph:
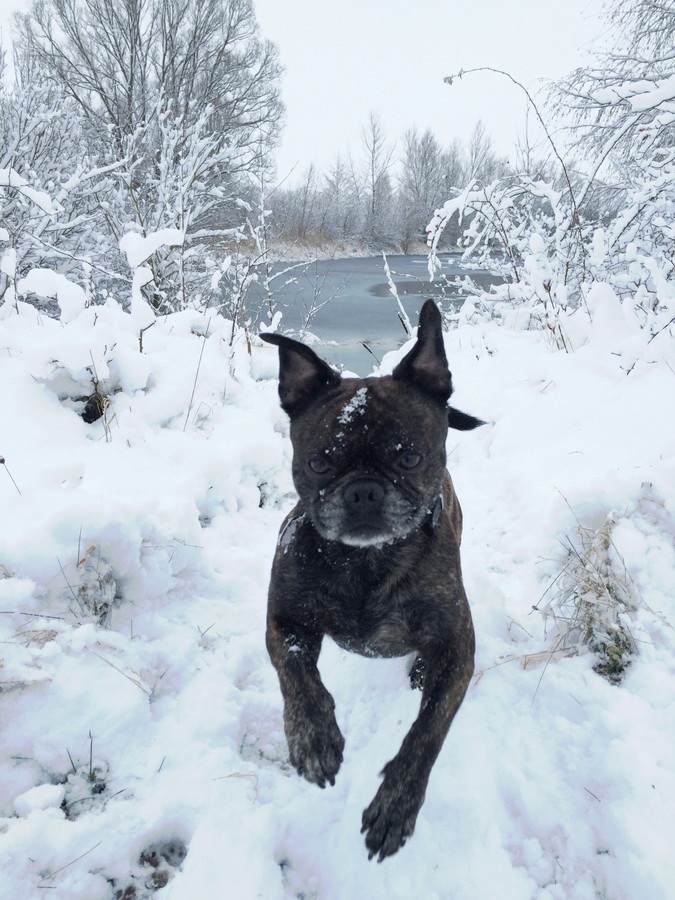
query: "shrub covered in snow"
610, 220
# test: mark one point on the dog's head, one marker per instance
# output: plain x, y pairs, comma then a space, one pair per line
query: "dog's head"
369, 453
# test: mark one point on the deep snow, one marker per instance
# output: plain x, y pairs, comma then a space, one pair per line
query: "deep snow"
141, 738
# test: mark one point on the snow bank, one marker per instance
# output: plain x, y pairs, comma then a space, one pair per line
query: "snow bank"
141, 737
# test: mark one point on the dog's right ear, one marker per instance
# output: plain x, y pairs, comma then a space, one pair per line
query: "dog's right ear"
302, 374
462, 421
426, 365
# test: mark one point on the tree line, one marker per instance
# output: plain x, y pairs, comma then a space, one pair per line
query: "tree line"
381, 198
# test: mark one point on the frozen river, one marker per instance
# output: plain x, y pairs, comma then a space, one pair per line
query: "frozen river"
360, 307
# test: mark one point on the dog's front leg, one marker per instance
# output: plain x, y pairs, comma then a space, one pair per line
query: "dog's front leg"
390, 819
315, 743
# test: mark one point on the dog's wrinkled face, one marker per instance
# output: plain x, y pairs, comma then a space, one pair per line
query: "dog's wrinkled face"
369, 453
369, 460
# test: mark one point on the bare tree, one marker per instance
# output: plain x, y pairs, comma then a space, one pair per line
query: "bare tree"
341, 201
483, 162
428, 176
378, 155
307, 196
118, 58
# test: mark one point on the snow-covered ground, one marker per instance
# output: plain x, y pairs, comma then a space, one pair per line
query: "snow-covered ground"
141, 741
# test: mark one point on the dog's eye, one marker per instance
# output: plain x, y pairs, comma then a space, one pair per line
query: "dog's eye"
319, 466
409, 460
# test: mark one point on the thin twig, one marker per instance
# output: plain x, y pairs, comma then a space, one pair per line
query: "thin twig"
72, 862
194, 386
393, 290
70, 587
142, 332
117, 669
365, 346
71, 761
4, 463
657, 333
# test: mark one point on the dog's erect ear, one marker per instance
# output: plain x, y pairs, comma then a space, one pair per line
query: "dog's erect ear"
302, 374
426, 365
462, 421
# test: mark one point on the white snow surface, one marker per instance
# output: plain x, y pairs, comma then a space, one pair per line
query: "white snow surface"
141, 735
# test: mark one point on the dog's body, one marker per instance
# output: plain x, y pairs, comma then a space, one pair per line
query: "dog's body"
370, 557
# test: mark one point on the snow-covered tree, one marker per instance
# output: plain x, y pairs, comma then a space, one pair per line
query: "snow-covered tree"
50, 194
610, 218
624, 110
118, 58
180, 99
428, 174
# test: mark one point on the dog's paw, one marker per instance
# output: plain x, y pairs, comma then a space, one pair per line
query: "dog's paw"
390, 819
315, 746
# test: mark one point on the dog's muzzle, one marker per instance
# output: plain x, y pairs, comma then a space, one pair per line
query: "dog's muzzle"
365, 520
367, 511
363, 499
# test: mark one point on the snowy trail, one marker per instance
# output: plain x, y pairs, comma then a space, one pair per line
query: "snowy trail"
553, 782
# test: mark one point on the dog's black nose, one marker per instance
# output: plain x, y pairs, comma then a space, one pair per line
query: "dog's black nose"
363, 496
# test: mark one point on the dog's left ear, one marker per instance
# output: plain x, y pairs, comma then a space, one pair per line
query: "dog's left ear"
426, 365
302, 374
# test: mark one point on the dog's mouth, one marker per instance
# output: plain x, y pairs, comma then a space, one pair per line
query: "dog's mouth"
366, 536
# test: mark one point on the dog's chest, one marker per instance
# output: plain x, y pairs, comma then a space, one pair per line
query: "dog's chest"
366, 617
376, 602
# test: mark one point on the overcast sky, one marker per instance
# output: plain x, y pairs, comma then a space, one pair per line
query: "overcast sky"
344, 59
347, 58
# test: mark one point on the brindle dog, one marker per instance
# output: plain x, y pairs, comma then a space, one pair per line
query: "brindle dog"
370, 557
